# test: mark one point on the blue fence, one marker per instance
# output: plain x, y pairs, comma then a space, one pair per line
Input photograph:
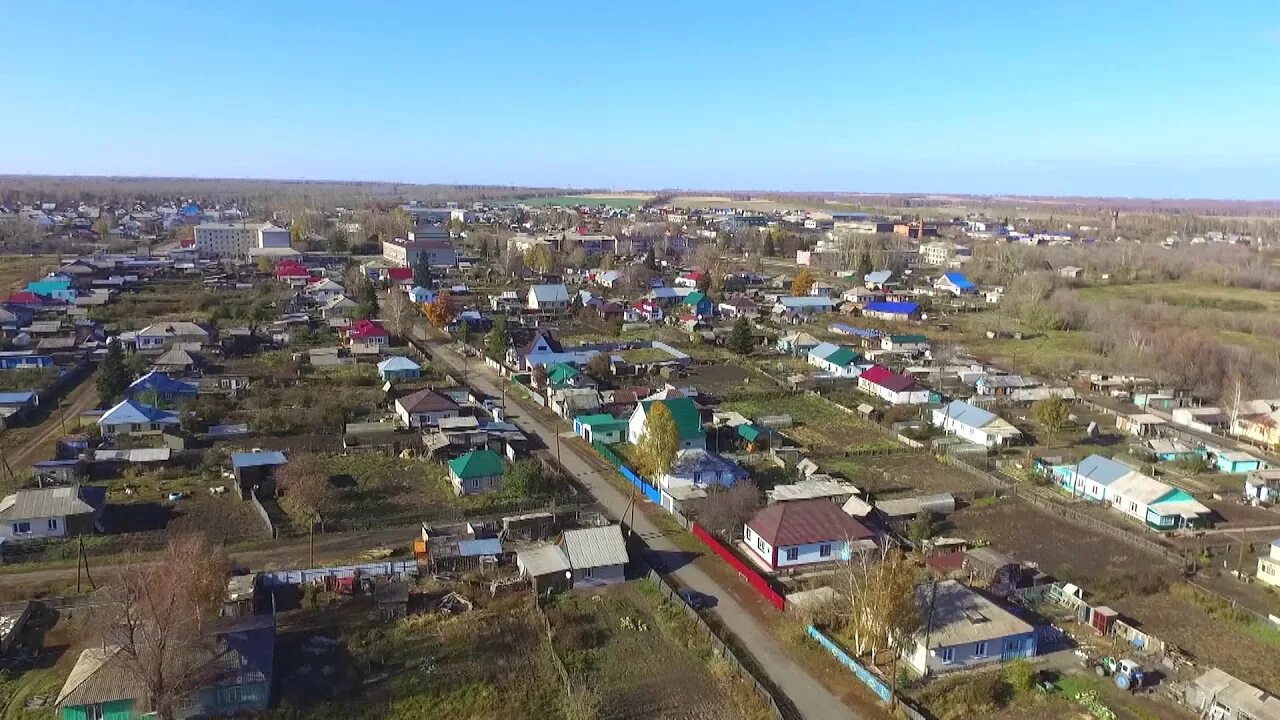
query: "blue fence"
867, 677
615, 460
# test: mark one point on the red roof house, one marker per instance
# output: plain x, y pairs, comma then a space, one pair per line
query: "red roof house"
892, 387
399, 274
25, 298
804, 532
367, 331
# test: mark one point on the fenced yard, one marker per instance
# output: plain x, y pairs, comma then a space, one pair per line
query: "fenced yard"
818, 424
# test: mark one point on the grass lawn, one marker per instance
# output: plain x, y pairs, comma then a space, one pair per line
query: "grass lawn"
642, 657
818, 423
640, 356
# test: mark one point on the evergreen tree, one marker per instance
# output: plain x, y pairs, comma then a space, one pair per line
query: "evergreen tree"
740, 339
113, 376
495, 343
768, 249
422, 272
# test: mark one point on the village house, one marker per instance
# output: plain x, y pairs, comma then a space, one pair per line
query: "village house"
324, 290
797, 307
1127, 491
548, 299
160, 335
476, 472
685, 413
1269, 565
1262, 487
1218, 696
797, 343
838, 361
367, 337
976, 425
741, 306
55, 512
955, 283
904, 343
425, 408
787, 535
644, 310
602, 428
158, 389
892, 311
132, 418
879, 280
586, 557
399, 367
963, 630
892, 387
702, 468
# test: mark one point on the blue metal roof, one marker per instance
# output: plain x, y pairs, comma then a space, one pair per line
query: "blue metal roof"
960, 281
851, 330
257, 459
398, 362
17, 398
474, 548
132, 412
895, 308
966, 414
1103, 471
54, 463
161, 383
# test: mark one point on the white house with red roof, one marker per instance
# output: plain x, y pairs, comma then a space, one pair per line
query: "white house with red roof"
646, 310
292, 273
367, 337
690, 279
892, 387
805, 532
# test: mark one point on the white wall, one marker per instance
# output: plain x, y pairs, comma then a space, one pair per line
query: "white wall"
39, 529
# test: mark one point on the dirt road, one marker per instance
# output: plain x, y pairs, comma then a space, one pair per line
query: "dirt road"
81, 398
803, 692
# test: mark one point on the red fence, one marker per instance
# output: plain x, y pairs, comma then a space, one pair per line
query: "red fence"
756, 580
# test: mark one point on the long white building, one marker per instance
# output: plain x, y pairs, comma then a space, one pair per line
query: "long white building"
237, 239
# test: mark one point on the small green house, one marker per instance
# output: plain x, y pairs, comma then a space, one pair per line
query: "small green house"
602, 428
477, 471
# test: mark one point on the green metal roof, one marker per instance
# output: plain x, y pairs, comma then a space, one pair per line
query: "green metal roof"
477, 463
561, 373
909, 338
601, 421
694, 298
750, 433
688, 422
844, 356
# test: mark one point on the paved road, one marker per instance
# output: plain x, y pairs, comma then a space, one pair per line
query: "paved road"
806, 694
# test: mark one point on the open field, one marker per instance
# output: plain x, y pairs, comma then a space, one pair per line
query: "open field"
17, 270
488, 663
626, 201
988, 695
642, 659
1063, 549
757, 204
819, 425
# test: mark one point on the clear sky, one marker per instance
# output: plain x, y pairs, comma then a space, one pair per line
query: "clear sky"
1158, 98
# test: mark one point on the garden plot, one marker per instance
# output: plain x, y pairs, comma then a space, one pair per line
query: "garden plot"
642, 658
902, 474
818, 424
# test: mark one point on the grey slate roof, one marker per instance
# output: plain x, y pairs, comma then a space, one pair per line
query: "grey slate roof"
44, 503
961, 616
595, 547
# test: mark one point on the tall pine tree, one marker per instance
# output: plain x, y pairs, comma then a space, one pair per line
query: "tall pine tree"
740, 339
422, 272
113, 376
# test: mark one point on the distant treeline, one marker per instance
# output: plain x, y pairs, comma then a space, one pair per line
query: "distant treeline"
25, 189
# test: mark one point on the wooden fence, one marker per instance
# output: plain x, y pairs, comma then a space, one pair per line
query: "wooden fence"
723, 650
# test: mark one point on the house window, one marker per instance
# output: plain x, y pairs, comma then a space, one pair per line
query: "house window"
94, 712
793, 554
824, 551
948, 655
22, 528
1133, 506
587, 572
760, 544
53, 523
980, 649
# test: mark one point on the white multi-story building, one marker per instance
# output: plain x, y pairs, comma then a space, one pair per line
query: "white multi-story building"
943, 253
237, 239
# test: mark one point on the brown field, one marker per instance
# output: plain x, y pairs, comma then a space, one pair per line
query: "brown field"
17, 270
1063, 549
903, 474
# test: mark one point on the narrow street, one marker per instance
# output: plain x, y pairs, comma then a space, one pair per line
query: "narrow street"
804, 693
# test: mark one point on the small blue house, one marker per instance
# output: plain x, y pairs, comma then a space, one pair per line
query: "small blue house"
885, 310
1237, 462
955, 283
420, 295
130, 417
964, 630
699, 303
398, 367
54, 286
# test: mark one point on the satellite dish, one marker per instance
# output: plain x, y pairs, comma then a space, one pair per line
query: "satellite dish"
386, 387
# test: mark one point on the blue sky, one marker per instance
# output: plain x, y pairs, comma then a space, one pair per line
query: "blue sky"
1160, 99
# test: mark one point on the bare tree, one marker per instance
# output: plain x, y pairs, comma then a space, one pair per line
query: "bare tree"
724, 510
156, 613
399, 312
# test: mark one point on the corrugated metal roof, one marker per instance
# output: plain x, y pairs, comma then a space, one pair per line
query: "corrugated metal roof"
99, 677
545, 560
44, 503
257, 459
595, 547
